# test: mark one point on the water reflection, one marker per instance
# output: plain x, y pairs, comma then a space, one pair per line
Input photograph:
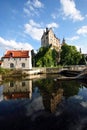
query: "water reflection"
39, 103
50, 101
22, 89
51, 91
54, 91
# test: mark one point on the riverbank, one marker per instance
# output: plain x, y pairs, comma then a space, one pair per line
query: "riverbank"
0, 78
67, 73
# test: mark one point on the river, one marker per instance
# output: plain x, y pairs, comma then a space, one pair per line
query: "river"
43, 104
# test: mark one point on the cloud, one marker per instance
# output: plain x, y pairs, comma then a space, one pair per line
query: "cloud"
32, 23
73, 38
83, 48
37, 4
34, 30
11, 44
82, 30
54, 15
27, 11
52, 25
32, 7
69, 10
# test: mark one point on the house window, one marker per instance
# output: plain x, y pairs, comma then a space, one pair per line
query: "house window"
11, 84
11, 65
23, 65
23, 84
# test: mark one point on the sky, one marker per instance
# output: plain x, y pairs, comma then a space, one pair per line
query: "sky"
22, 23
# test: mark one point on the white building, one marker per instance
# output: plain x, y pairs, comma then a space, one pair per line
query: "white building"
49, 38
19, 59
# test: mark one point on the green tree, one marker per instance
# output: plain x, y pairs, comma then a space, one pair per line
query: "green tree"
46, 57
83, 60
69, 55
33, 54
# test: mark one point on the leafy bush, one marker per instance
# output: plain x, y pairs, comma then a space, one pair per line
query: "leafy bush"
4, 71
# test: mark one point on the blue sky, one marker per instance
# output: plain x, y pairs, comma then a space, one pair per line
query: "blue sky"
22, 23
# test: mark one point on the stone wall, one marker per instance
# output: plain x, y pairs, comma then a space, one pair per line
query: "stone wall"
51, 70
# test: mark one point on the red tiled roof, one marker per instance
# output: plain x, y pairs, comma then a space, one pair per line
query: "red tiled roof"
17, 54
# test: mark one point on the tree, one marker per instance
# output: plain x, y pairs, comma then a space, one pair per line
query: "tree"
33, 54
83, 60
46, 57
69, 55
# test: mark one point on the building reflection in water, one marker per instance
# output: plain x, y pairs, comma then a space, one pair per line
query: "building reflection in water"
52, 92
17, 89
23, 89
51, 101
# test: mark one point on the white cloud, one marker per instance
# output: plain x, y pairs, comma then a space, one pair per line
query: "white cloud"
54, 15
69, 10
11, 44
52, 25
82, 30
32, 23
27, 11
83, 48
37, 4
32, 7
73, 38
34, 30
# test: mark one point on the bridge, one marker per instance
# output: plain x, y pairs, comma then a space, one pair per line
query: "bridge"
82, 74
53, 70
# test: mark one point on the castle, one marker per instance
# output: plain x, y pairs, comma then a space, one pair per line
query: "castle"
49, 38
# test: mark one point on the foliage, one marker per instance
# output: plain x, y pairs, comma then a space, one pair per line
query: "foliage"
71, 88
46, 57
69, 55
33, 57
48, 86
4, 71
11, 73
83, 60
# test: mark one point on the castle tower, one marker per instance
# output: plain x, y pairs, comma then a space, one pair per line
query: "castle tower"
63, 41
49, 38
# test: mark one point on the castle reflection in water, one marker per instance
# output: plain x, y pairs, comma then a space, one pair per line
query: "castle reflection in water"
43, 103
26, 88
50, 92
51, 101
